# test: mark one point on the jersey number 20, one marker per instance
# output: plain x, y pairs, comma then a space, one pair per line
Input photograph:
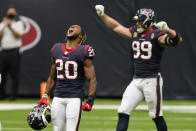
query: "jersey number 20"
142, 50
66, 66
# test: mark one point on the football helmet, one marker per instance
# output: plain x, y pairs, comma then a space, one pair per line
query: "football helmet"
39, 117
147, 16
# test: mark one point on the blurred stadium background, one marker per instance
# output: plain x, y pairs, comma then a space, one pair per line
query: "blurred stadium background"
113, 64
46, 21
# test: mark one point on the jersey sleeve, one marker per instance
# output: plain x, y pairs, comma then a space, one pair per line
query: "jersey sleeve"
160, 33
89, 52
52, 50
130, 28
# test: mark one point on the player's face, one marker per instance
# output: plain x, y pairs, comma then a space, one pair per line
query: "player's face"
73, 32
139, 24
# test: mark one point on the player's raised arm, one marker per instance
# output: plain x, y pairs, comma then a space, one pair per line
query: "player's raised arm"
50, 84
112, 23
171, 38
90, 75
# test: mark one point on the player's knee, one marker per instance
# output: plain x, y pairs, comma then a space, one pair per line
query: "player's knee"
122, 110
71, 116
152, 114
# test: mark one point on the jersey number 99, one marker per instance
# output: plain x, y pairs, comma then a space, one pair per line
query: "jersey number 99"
142, 49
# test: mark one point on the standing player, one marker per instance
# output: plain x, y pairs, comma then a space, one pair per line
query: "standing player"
148, 45
71, 63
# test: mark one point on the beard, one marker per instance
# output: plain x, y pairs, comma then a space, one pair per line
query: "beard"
140, 30
73, 37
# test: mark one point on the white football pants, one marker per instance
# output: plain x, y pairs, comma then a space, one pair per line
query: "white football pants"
66, 113
149, 89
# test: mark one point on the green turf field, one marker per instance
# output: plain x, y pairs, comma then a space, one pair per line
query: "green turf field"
104, 101
105, 120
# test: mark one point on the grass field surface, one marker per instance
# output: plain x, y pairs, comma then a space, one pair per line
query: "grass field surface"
104, 101
104, 120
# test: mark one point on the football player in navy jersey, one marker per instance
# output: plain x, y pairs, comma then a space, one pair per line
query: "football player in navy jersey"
149, 40
72, 64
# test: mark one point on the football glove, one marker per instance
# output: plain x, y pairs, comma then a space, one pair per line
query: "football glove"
100, 10
87, 106
43, 101
162, 26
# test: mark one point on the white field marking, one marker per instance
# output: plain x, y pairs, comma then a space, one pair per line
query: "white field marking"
16, 129
16, 106
97, 129
167, 108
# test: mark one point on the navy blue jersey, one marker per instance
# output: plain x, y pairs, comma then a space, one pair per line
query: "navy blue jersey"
70, 69
147, 52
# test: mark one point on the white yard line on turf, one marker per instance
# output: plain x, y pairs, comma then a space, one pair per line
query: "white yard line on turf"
166, 108
16, 106
93, 129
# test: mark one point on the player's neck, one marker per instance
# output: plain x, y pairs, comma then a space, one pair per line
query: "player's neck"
149, 29
71, 44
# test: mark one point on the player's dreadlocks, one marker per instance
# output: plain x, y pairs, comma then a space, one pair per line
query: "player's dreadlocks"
83, 36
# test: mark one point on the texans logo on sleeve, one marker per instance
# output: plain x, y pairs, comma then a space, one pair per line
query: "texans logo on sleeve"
32, 33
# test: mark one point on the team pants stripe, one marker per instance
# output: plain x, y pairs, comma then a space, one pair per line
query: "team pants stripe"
158, 92
78, 123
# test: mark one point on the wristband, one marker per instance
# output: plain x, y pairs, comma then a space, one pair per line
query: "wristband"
91, 99
176, 38
45, 95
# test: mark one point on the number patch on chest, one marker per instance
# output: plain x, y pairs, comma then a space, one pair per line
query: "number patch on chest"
142, 49
69, 74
